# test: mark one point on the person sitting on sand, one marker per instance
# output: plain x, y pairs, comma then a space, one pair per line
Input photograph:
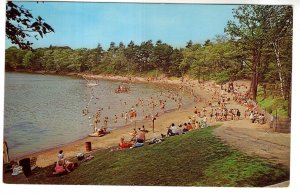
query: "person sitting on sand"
69, 166
103, 131
204, 122
133, 134
140, 139
59, 167
144, 129
172, 130
185, 127
125, 144
140, 136
197, 125
180, 129
189, 126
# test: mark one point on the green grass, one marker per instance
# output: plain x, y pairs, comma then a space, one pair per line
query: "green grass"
194, 159
273, 104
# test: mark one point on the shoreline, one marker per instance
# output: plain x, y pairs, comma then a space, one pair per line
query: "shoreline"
48, 156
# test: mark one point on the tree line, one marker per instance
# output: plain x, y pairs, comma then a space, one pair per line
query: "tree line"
257, 46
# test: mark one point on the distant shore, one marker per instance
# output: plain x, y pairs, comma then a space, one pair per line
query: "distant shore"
134, 79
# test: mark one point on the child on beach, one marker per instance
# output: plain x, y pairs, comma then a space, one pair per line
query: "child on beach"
60, 155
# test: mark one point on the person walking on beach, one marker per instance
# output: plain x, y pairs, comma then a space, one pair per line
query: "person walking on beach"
106, 122
126, 117
238, 114
116, 119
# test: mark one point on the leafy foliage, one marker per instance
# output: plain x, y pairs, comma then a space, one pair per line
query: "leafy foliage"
263, 33
20, 25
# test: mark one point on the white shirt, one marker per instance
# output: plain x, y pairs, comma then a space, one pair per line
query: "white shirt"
174, 129
60, 156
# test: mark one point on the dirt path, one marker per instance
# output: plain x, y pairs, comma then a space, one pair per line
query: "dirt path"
256, 140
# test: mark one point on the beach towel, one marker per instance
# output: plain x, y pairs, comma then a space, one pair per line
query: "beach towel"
17, 170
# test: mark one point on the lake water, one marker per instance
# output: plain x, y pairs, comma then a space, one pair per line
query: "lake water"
44, 111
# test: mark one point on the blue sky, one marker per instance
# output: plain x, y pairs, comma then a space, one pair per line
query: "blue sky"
86, 24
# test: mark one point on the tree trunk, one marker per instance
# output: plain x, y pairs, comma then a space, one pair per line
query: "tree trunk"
254, 85
254, 80
276, 50
265, 91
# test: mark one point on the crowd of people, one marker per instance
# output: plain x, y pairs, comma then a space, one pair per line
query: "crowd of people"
63, 165
138, 138
217, 109
141, 109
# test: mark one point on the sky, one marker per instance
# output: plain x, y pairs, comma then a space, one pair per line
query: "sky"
83, 24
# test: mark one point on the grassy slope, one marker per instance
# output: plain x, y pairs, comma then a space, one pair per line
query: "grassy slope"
193, 159
271, 104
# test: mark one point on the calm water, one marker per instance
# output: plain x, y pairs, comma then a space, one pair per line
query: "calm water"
44, 111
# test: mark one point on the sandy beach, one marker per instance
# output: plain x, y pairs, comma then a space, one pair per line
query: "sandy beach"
253, 139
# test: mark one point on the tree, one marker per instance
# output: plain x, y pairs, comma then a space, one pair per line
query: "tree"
207, 43
188, 58
161, 56
20, 25
175, 60
14, 58
247, 30
28, 60
189, 44
263, 31
143, 54
131, 56
279, 33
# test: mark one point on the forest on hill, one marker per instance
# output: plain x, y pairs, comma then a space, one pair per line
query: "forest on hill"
257, 45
